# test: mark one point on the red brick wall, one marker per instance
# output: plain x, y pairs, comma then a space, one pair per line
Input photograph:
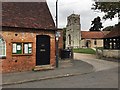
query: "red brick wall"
23, 62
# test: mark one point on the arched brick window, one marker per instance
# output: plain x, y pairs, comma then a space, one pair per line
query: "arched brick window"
2, 48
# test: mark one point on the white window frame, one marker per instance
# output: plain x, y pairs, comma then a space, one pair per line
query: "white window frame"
1, 56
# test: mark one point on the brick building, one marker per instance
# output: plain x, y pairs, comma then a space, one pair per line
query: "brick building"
27, 39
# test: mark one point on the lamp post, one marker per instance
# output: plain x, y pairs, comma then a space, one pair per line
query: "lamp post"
57, 34
56, 13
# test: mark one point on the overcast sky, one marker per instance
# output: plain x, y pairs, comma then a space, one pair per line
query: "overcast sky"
81, 7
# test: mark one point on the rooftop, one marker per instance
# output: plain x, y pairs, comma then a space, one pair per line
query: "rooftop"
93, 34
114, 33
27, 15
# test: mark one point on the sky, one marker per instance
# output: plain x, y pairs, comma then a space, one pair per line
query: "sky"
81, 7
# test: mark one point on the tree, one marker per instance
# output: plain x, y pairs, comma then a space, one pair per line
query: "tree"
109, 28
97, 25
111, 9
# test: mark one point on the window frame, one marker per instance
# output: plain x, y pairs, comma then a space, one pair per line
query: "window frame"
3, 56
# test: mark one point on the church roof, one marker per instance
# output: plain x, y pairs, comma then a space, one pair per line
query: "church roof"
27, 15
93, 34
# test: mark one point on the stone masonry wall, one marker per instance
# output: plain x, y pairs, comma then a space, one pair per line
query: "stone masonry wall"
111, 53
73, 31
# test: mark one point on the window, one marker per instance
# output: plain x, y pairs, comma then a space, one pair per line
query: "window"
75, 20
2, 48
110, 45
21, 48
69, 39
95, 42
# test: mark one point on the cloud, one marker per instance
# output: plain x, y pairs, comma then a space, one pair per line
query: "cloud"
82, 7
23, 0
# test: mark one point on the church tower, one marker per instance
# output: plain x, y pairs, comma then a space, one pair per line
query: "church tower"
73, 31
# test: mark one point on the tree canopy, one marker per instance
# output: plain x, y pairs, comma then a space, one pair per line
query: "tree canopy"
111, 9
97, 25
109, 28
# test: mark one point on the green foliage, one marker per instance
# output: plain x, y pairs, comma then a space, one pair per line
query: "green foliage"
109, 28
97, 25
85, 50
109, 8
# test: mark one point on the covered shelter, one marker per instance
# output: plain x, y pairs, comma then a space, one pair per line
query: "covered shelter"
112, 39
112, 43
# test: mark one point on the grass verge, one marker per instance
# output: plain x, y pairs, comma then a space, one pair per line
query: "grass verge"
84, 50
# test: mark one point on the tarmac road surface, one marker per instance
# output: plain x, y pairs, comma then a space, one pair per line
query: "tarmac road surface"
100, 79
97, 63
105, 76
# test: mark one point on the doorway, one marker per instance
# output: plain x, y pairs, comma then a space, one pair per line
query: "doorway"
42, 50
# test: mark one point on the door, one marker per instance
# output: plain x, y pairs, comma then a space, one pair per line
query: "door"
42, 50
88, 44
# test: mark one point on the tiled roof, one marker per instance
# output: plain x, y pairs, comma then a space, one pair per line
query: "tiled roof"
114, 33
27, 15
92, 34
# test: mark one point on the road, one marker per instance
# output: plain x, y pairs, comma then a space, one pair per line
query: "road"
97, 63
101, 79
105, 76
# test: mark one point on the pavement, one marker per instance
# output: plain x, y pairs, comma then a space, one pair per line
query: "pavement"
66, 68
82, 64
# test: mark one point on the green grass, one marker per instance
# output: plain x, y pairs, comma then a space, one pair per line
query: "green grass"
84, 50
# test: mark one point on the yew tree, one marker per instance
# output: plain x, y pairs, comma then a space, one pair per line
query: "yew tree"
96, 24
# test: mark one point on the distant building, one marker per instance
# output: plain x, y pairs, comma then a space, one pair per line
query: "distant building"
91, 39
112, 43
82, 39
73, 31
